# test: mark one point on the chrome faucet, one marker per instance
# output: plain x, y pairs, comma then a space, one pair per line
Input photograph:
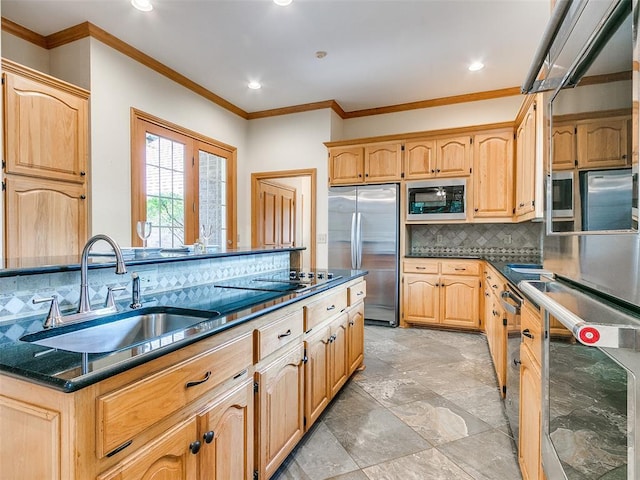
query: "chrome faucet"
121, 269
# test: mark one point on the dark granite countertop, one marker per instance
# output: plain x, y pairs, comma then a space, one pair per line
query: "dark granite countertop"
62, 370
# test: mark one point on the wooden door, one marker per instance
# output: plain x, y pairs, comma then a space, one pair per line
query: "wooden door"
339, 350
44, 217
316, 375
383, 163
493, 174
454, 156
530, 416
420, 159
276, 214
420, 300
226, 432
563, 147
603, 143
168, 458
356, 337
497, 339
346, 165
526, 162
280, 409
459, 299
46, 126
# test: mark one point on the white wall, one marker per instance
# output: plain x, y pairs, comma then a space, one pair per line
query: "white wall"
72, 63
288, 142
117, 84
25, 53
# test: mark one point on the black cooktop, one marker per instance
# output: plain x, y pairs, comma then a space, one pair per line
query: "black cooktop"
292, 281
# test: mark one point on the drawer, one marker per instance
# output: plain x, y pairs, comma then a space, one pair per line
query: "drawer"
531, 329
126, 412
326, 307
356, 293
271, 337
420, 266
460, 267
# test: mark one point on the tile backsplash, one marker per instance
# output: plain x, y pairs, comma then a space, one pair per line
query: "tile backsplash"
17, 310
490, 240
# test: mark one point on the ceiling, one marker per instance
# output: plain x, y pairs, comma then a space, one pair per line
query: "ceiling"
379, 52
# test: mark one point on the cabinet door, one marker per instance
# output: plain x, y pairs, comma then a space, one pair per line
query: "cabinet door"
339, 361
420, 298
530, 417
170, 457
383, 163
420, 159
280, 409
497, 339
563, 147
346, 165
493, 174
526, 162
46, 128
44, 217
459, 301
316, 375
454, 156
226, 434
356, 337
603, 143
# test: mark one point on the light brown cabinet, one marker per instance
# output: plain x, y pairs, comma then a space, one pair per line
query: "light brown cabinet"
563, 147
46, 152
493, 174
279, 409
441, 157
495, 325
603, 143
373, 163
526, 164
444, 293
355, 336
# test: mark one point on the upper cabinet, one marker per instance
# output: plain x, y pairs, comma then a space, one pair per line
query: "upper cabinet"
603, 143
46, 125
563, 145
526, 163
441, 157
493, 174
374, 163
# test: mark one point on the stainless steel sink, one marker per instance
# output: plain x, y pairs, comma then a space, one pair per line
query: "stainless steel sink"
119, 331
528, 268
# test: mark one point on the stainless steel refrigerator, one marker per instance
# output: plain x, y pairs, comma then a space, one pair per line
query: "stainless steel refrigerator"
606, 199
363, 234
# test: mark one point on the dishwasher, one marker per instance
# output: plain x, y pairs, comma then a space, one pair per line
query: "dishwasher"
511, 302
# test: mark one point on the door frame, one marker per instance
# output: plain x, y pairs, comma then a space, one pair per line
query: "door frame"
260, 176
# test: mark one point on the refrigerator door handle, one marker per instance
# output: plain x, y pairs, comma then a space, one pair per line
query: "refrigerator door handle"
359, 239
354, 240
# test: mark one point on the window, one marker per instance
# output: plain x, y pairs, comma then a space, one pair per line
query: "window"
180, 181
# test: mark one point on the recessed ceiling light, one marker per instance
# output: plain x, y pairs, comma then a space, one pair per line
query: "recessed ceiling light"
142, 5
254, 85
282, 3
475, 66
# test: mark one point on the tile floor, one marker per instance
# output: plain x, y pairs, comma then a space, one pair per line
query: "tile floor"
426, 407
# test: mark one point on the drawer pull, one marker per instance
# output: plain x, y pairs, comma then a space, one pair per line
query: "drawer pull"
194, 447
421, 268
198, 382
119, 449
332, 307
459, 269
240, 374
494, 286
282, 335
208, 436
527, 333
359, 293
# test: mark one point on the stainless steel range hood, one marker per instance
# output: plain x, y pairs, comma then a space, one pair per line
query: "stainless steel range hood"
576, 33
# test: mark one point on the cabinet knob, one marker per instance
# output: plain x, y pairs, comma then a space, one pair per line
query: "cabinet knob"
359, 175
194, 447
366, 174
83, 173
475, 209
83, 197
437, 170
516, 362
527, 333
433, 171
351, 323
208, 436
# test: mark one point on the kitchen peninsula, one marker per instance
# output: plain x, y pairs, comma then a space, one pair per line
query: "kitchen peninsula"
186, 400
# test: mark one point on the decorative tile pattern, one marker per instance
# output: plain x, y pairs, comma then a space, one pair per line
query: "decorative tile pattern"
165, 281
498, 241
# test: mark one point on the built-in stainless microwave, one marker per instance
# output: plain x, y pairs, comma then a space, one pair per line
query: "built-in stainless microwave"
437, 199
563, 190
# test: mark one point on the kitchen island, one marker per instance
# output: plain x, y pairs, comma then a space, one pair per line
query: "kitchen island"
231, 400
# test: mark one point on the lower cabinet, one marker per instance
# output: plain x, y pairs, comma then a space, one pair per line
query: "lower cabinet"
225, 431
355, 335
171, 457
530, 416
279, 409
